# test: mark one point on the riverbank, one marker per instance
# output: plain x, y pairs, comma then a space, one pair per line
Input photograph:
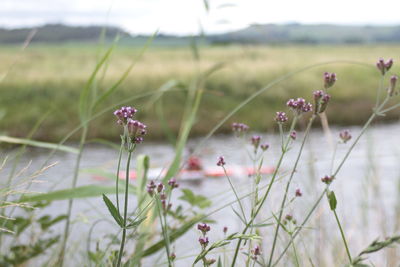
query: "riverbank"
48, 78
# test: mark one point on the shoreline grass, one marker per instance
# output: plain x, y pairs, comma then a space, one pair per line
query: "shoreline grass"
49, 77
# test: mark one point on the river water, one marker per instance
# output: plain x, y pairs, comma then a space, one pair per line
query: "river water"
367, 190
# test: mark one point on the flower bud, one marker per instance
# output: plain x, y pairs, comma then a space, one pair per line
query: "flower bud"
345, 136
298, 193
327, 179
329, 79
264, 146
221, 161
293, 135
392, 87
255, 141
384, 66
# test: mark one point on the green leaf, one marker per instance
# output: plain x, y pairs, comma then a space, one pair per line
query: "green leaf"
111, 90
240, 217
192, 103
219, 262
78, 192
206, 5
113, 210
195, 200
29, 142
85, 97
46, 221
332, 200
135, 223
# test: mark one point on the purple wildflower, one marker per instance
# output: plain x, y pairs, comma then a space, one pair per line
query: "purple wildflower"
172, 256
225, 229
293, 135
299, 105
327, 179
384, 66
264, 146
329, 79
298, 192
124, 114
321, 100
203, 241
160, 187
345, 135
150, 188
281, 117
255, 141
221, 161
392, 87
203, 227
136, 130
239, 128
173, 183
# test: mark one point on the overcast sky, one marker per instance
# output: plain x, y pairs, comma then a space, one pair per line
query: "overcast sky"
185, 16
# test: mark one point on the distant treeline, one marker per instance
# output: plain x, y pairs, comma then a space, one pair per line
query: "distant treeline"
254, 34
54, 33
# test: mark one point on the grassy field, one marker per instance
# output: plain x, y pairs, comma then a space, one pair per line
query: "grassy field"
49, 78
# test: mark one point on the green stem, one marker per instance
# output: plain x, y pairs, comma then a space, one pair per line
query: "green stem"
378, 93
288, 186
343, 237
117, 176
164, 230
295, 255
267, 192
70, 201
121, 250
365, 127
236, 195
333, 157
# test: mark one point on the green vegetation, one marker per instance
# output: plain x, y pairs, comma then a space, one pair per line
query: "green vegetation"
50, 77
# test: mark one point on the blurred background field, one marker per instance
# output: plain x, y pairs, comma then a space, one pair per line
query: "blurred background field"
49, 76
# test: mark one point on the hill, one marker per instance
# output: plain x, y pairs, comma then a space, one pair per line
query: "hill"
310, 34
54, 33
254, 34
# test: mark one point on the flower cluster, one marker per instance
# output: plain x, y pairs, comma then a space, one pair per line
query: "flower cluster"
327, 179
321, 100
281, 117
264, 146
255, 142
204, 228
255, 252
151, 188
124, 114
239, 128
329, 79
135, 129
299, 105
159, 189
289, 218
345, 136
173, 183
203, 240
221, 161
384, 66
298, 193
